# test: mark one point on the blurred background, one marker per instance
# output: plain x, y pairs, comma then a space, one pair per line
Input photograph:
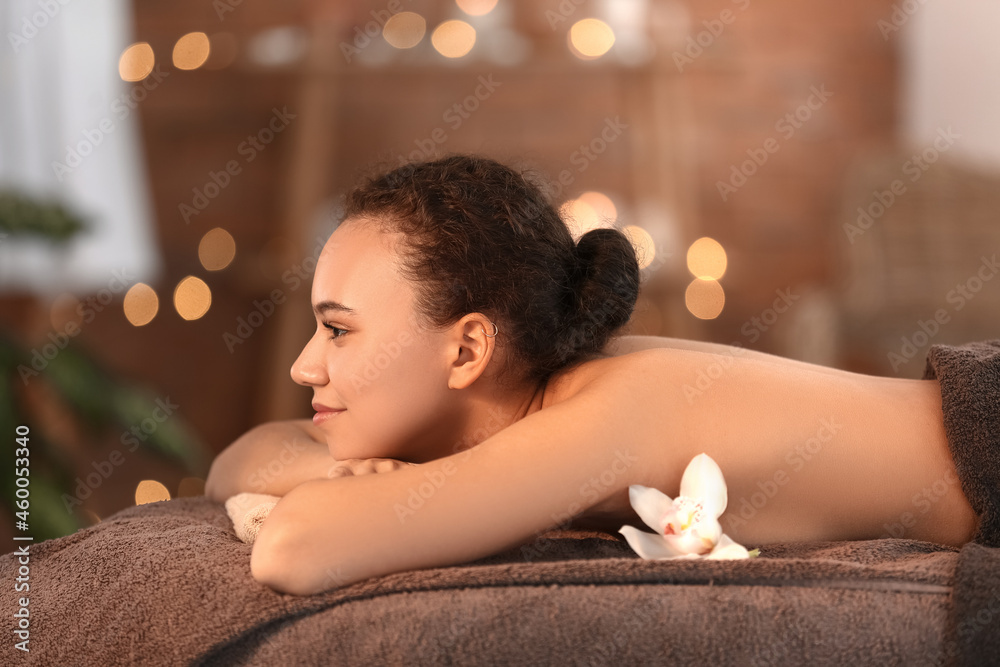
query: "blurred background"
815, 180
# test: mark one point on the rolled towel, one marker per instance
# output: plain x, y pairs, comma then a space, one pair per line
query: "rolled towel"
969, 375
248, 511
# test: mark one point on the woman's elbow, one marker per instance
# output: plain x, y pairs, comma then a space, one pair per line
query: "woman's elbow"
272, 565
284, 573
287, 558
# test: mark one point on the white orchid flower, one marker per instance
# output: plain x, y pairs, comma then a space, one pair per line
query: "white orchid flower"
688, 525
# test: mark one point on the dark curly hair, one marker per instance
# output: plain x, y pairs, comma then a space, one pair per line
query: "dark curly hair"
479, 236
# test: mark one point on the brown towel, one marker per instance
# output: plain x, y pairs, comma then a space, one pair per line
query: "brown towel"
970, 400
169, 583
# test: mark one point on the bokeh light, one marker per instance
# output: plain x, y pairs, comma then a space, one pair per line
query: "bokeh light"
579, 216
192, 298
141, 304
404, 30
453, 39
704, 298
706, 258
602, 205
191, 51
588, 211
476, 7
642, 241
590, 38
150, 491
136, 62
216, 249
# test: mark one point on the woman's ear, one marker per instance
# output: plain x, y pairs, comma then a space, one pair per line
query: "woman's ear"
472, 349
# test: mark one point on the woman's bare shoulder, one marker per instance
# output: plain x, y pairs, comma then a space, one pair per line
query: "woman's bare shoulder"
626, 345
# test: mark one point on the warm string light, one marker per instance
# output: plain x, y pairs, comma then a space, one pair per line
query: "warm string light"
704, 296
191, 51
453, 39
153, 491
150, 491
590, 38
192, 296
593, 210
587, 39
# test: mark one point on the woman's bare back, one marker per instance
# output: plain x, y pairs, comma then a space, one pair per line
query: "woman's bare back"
808, 452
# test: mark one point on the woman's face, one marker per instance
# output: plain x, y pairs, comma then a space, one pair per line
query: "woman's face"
388, 374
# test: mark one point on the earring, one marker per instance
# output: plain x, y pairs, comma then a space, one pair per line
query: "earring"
496, 330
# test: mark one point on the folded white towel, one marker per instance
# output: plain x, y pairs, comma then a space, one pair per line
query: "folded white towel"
248, 511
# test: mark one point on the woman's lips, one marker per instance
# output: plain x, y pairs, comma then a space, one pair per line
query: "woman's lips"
323, 415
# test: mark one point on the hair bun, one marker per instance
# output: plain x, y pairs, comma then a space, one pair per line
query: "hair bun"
605, 283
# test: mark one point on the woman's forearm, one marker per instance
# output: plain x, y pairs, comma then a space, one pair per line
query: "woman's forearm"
271, 458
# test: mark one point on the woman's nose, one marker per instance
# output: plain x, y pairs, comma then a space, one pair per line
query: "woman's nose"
308, 369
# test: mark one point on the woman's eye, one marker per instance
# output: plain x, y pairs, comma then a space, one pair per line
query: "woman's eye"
334, 329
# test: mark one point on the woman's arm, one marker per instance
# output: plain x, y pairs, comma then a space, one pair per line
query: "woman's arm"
271, 458
535, 474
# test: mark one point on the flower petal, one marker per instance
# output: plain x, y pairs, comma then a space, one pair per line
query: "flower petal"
702, 479
708, 529
650, 504
727, 549
648, 545
689, 542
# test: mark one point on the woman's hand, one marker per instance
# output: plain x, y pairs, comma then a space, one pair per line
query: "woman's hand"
358, 467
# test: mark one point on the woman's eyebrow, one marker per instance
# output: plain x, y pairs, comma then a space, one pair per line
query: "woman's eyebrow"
324, 306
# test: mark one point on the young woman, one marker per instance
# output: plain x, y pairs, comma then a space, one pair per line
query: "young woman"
472, 389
